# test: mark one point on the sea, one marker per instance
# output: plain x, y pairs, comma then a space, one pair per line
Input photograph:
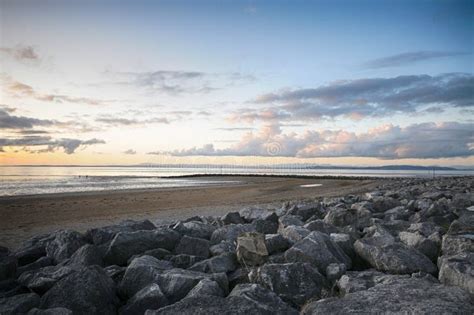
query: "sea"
36, 180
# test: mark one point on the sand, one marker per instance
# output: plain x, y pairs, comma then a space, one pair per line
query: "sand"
22, 217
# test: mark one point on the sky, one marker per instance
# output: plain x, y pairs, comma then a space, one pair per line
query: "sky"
242, 82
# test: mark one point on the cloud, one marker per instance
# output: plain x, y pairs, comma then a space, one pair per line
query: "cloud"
22, 90
361, 98
426, 140
180, 82
111, 121
21, 53
8, 121
130, 152
234, 129
69, 146
409, 58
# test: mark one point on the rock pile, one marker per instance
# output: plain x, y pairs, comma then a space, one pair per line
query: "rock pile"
407, 247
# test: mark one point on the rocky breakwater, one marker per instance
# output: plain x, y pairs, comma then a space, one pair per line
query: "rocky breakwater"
407, 247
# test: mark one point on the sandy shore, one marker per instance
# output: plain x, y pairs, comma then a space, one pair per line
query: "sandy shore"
25, 216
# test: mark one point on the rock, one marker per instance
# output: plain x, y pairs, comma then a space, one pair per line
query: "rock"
288, 220
19, 304
115, 272
158, 253
251, 214
193, 246
141, 272
345, 242
177, 283
50, 311
4, 251
40, 263
321, 226
276, 243
105, 234
64, 244
319, 250
460, 236
230, 232
397, 213
399, 296
8, 266
392, 257
87, 255
354, 281
251, 249
184, 261
195, 229
334, 271
294, 283
264, 298
429, 246
232, 218
339, 217
240, 275
294, 233
11, 287
265, 226
33, 249
97, 293
43, 279
206, 287
223, 263
382, 204
125, 245
222, 248
307, 211
148, 298
458, 270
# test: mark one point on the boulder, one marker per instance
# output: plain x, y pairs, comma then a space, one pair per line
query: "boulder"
354, 281
276, 243
11, 287
115, 272
8, 267
64, 244
88, 291
429, 246
195, 229
148, 298
251, 249
238, 276
87, 255
321, 226
251, 214
230, 232
392, 257
33, 249
266, 226
19, 304
339, 217
105, 234
345, 242
193, 246
223, 263
232, 218
40, 263
294, 283
397, 213
184, 261
334, 271
222, 248
50, 311
398, 296
141, 272
43, 279
458, 270
382, 204
294, 233
288, 220
206, 287
319, 250
126, 244
307, 211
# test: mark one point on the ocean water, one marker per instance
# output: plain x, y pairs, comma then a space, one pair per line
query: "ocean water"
33, 180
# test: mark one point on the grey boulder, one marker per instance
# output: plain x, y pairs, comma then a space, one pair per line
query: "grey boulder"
458, 270
150, 297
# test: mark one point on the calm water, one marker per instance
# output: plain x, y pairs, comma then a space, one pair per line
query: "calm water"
27, 180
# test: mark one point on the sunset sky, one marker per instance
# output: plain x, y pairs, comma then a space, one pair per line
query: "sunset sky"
329, 82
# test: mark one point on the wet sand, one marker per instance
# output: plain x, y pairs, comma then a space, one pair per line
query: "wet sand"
24, 216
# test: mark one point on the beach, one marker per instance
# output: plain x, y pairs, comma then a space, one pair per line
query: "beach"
22, 217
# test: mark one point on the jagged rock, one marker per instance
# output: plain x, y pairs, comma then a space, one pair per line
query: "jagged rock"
288, 220
294, 233
33, 249
307, 211
334, 271
141, 272
105, 234
354, 281
294, 283
50, 311
251, 249
240, 275
64, 244
427, 245
206, 287
266, 226
41, 280
115, 272
150, 297
222, 248
321, 226
158, 253
12, 287
232, 218
399, 296
19, 304
125, 245
97, 292
397, 213
193, 246
40, 263
264, 298
87, 255
392, 257
460, 236
276, 243
251, 214
345, 242
319, 250
195, 229
8, 266
230, 232
457, 270
339, 217
223, 263
184, 261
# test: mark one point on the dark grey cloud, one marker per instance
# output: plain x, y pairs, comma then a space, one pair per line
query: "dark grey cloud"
8, 121
31, 143
130, 152
409, 58
21, 53
357, 99
423, 141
